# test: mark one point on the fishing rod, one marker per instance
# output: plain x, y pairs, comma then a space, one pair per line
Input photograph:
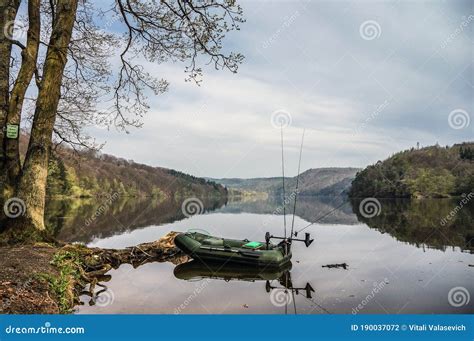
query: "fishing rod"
307, 289
321, 217
294, 301
283, 180
288, 284
325, 215
287, 241
297, 184
310, 299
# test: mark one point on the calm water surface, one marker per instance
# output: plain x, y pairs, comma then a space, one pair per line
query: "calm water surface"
403, 260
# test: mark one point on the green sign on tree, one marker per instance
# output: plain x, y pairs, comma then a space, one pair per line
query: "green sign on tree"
12, 131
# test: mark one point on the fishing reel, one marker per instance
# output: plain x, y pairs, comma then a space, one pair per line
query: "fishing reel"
307, 239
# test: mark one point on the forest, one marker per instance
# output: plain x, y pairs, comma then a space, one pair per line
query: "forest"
429, 172
93, 174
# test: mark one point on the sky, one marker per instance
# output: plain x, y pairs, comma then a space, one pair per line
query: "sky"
364, 79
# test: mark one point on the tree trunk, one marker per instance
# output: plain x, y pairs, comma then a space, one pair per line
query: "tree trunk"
32, 182
29, 56
8, 10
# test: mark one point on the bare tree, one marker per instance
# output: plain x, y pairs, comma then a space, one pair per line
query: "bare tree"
65, 80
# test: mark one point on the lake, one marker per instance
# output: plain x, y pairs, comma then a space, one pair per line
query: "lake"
390, 256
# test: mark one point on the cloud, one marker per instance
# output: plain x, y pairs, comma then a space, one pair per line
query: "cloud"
360, 100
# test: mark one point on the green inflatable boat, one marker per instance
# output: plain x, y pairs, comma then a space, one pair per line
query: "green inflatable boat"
206, 248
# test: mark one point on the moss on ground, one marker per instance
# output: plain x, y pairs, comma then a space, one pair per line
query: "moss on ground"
74, 264
66, 284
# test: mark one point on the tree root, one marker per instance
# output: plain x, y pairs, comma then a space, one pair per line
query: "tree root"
92, 264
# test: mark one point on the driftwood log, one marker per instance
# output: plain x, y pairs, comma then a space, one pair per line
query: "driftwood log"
96, 262
337, 266
161, 250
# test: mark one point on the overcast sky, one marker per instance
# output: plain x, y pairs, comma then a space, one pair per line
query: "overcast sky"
365, 79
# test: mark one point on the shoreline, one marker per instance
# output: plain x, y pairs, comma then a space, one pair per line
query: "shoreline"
44, 278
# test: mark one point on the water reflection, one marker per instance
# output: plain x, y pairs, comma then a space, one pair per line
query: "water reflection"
83, 220
344, 265
278, 282
196, 270
421, 223
409, 249
308, 208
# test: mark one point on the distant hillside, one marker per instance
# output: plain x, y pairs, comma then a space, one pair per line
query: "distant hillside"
89, 174
427, 172
317, 181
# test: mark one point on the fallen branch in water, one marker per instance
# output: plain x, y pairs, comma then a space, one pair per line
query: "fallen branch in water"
340, 265
162, 250
90, 265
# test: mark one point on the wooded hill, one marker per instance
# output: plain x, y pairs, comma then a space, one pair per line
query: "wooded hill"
433, 171
315, 181
91, 174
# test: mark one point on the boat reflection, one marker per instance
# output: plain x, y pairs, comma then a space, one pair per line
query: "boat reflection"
278, 282
195, 270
